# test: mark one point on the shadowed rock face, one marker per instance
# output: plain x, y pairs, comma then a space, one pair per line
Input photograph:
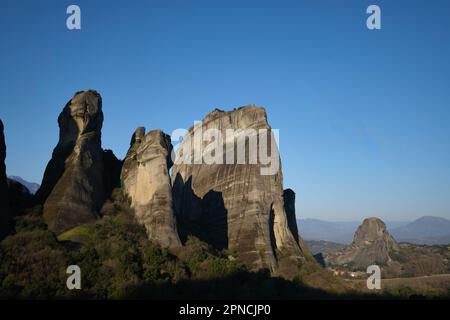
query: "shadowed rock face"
76, 182
249, 218
5, 214
372, 244
19, 197
146, 182
289, 207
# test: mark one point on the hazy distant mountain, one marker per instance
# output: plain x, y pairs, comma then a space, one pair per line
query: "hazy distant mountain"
425, 230
340, 232
322, 246
31, 186
314, 229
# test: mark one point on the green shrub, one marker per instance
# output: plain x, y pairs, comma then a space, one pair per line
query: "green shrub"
33, 265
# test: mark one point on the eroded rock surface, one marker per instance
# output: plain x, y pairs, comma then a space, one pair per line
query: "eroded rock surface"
146, 182
76, 182
234, 206
5, 214
372, 244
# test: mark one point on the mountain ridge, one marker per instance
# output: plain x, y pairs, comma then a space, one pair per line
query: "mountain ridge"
33, 187
425, 230
403, 231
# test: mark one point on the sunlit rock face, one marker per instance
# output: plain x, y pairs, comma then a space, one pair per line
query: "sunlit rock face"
5, 213
234, 205
146, 182
372, 244
76, 180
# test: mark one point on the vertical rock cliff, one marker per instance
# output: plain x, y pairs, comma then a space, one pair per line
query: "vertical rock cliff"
5, 213
146, 183
76, 180
234, 205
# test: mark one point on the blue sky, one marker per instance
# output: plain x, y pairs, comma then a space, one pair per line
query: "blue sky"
363, 115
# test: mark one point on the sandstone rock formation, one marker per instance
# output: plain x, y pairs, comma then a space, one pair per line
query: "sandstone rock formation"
5, 214
372, 244
146, 182
76, 180
233, 205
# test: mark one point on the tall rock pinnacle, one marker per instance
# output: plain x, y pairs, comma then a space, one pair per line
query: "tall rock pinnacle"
233, 205
146, 182
75, 182
5, 212
372, 244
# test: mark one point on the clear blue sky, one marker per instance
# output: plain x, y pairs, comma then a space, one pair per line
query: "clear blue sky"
364, 116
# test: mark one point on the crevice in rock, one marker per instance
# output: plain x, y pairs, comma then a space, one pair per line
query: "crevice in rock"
272, 231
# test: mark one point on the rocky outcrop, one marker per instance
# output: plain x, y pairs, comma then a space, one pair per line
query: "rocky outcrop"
236, 206
146, 183
372, 244
76, 180
5, 214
